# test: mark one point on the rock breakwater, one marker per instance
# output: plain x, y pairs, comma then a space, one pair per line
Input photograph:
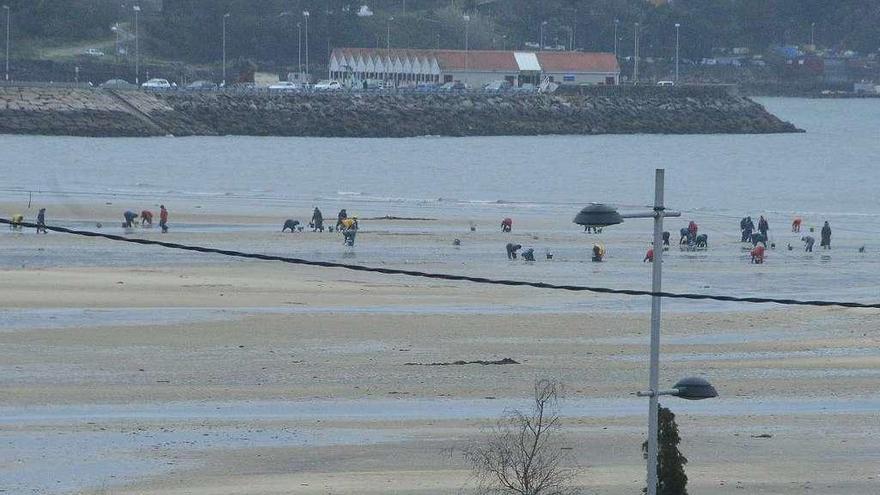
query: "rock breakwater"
93, 112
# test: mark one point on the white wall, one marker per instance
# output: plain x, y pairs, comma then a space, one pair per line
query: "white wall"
478, 79
581, 77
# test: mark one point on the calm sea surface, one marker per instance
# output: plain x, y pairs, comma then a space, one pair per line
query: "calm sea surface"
830, 172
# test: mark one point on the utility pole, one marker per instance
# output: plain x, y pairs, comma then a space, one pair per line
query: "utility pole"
137, 47
299, 49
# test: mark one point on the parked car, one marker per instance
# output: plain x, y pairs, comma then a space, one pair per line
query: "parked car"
201, 86
117, 84
94, 52
454, 86
156, 84
328, 85
285, 87
665, 83
497, 86
426, 88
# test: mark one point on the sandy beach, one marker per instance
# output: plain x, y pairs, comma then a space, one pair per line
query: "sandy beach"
135, 370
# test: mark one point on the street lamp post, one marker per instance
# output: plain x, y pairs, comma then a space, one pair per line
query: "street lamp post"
598, 215
467, 26
299, 48
388, 34
306, 15
636, 54
616, 24
115, 29
225, 16
541, 38
813, 34
137, 47
8, 28
677, 45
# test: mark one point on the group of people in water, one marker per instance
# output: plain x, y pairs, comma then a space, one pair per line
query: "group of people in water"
346, 225
145, 219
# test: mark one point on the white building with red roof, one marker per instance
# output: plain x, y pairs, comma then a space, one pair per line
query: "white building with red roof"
473, 67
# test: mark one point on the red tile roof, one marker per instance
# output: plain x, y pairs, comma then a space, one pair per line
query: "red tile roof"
496, 60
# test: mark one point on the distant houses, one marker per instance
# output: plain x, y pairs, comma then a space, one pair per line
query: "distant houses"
475, 68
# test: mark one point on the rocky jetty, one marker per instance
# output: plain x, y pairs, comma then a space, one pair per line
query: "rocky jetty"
92, 112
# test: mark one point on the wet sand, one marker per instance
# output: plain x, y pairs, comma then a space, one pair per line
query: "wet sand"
132, 370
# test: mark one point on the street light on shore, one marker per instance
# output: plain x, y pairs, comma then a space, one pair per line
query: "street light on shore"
677, 27
8, 28
467, 29
813, 34
306, 16
616, 24
225, 16
388, 34
636, 54
137, 47
541, 37
598, 215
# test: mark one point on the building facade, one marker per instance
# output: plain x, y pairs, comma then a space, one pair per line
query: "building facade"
404, 67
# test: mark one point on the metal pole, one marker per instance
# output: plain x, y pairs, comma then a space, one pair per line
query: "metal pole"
224, 49
388, 34
616, 23
812, 34
137, 48
299, 49
8, 28
677, 26
306, 15
656, 286
636, 54
467, 29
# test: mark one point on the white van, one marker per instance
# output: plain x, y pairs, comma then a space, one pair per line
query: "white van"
665, 83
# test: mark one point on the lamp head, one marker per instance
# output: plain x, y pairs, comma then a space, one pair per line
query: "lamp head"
695, 388
598, 215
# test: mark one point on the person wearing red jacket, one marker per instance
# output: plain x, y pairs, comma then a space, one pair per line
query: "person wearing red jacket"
163, 218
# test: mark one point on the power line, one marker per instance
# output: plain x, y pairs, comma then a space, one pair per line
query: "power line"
445, 276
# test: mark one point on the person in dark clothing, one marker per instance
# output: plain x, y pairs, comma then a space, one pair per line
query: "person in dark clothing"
759, 238
702, 241
41, 221
512, 249
685, 236
666, 238
826, 236
317, 220
340, 217
808, 243
746, 226
130, 218
528, 255
290, 224
763, 226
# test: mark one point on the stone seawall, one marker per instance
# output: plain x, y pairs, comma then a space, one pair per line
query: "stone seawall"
92, 112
